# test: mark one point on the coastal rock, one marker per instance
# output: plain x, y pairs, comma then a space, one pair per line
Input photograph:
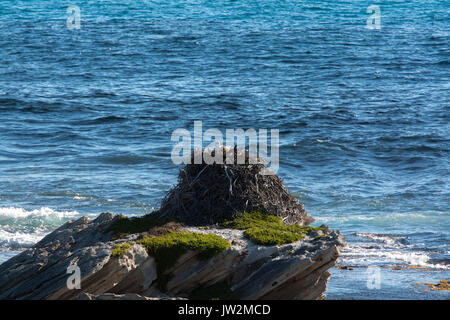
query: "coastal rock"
127, 296
291, 271
42, 270
132, 271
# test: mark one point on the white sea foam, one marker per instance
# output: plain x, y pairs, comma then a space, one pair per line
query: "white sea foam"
80, 198
391, 240
394, 217
19, 239
21, 228
361, 255
18, 213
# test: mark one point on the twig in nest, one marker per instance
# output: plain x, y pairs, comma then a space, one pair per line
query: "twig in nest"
228, 176
203, 195
198, 175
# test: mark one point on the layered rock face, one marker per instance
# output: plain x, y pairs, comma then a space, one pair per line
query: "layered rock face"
298, 270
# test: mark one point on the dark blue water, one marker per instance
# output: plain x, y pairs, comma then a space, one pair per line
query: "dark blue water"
86, 117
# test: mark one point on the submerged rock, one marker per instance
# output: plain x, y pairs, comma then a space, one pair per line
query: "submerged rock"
240, 270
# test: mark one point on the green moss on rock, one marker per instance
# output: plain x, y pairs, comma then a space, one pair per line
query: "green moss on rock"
120, 249
124, 226
267, 230
168, 248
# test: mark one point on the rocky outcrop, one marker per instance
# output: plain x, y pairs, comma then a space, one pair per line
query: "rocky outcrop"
127, 296
42, 270
250, 271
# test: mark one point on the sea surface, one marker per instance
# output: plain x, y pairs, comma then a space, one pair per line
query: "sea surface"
86, 117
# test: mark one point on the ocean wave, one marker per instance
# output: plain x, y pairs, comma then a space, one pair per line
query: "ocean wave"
20, 240
43, 212
100, 120
81, 198
389, 218
16, 220
5, 103
21, 228
123, 159
361, 255
392, 240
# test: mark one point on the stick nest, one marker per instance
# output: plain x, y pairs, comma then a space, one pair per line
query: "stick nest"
214, 193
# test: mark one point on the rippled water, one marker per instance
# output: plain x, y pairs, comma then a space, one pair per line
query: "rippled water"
87, 115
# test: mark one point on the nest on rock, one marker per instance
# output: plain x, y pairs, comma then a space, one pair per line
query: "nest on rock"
213, 193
